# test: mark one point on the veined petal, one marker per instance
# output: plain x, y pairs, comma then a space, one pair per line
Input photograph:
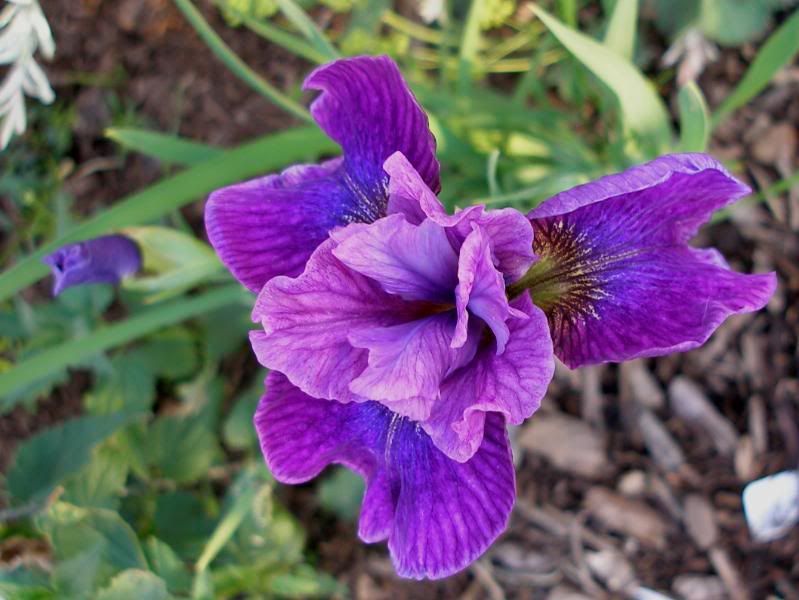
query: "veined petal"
269, 226
438, 515
308, 320
105, 259
409, 362
415, 262
367, 107
616, 276
511, 384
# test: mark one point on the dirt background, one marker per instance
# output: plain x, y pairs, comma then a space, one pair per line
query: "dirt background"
646, 491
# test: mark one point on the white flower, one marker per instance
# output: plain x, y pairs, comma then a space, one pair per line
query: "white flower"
23, 32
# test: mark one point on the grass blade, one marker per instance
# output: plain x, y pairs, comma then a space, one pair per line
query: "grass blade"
694, 119
75, 352
777, 52
294, 13
282, 38
470, 42
265, 154
643, 113
237, 66
620, 36
168, 149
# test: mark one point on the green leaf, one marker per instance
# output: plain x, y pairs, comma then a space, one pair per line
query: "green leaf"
643, 113
733, 22
135, 583
46, 459
694, 119
620, 36
182, 521
467, 54
180, 448
100, 483
777, 52
129, 386
341, 493
264, 154
171, 353
304, 583
238, 430
75, 352
168, 149
90, 545
167, 565
308, 28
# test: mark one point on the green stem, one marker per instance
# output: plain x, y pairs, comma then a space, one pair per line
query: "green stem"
75, 352
237, 66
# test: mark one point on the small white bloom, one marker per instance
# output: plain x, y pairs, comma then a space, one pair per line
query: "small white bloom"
771, 505
23, 32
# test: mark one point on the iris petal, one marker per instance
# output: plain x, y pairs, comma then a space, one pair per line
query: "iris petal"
437, 514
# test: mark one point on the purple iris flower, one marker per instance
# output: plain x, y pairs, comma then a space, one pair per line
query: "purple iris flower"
105, 259
402, 339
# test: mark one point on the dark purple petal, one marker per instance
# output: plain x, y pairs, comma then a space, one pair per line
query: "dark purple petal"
510, 234
437, 514
616, 276
415, 262
512, 384
367, 107
270, 226
308, 320
105, 259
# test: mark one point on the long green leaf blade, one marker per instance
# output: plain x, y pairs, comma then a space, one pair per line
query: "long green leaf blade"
75, 352
643, 112
620, 36
694, 119
308, 28
237, 66
168, 149
777, 52
263, 155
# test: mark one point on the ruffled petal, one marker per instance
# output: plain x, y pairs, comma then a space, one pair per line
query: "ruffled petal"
269, 226
510, 234
308, 320
367, 107
511, 384
415, 262
409, 362
616, 277
438, 515
105, 259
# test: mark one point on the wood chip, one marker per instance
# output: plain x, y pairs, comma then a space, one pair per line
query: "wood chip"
690, 404
700, 521
699, 587
613, 570
641, 384
627, 516
661, 445
568, 443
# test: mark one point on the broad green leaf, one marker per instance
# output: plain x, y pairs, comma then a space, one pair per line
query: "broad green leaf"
620, 36
237, 66
694, 119
294, 13
263, 155
167, 148
46, 459
777, 52
100, 483
22, 584
135, 583
733, 22
129, 386
75, 352
643, 113
180, 448
238, 431
182, 521
304, 582
167, 565
341, 493
170, 353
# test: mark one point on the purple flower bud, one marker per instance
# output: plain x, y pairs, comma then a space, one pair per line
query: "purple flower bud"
105, 259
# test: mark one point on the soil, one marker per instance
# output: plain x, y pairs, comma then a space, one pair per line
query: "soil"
651, 496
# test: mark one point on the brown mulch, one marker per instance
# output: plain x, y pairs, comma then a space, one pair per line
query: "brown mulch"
646, 494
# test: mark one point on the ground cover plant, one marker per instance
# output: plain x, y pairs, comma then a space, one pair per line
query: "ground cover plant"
145, 476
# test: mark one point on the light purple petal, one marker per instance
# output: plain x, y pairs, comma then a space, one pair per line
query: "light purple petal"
307, 322
509, 232
616, 277
409, 362
105, 259
415, 262
269, 226
367, 107
511, 384
438, 515
481, 291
